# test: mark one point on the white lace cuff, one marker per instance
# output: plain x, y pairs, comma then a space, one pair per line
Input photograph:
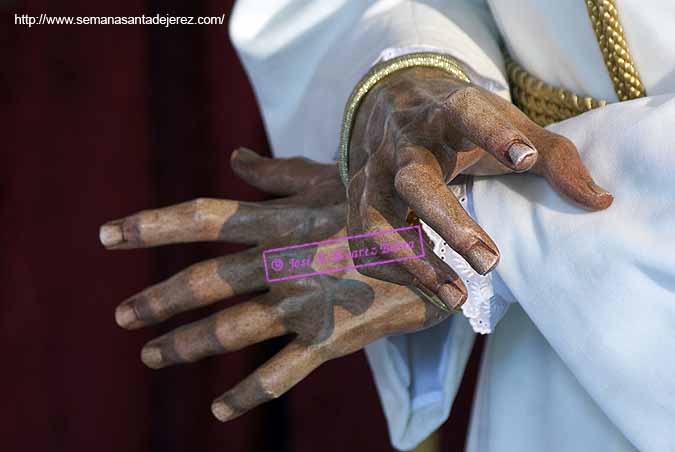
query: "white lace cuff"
483, 307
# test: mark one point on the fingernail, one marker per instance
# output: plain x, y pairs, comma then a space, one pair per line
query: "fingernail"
221, 411
482, 258
246, 154
151, 355
111, 234
125, 316
453, 296
603, 198
598, 190
522, 156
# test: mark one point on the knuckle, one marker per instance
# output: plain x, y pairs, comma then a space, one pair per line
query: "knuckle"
462, 96
270, 394
407, 174
325, 351
463, 293
199, 203
372, 221
198, 209
365, 271
469, 91
300, 160
563, 141
369, 272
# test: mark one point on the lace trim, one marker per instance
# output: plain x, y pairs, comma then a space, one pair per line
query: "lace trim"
483, 308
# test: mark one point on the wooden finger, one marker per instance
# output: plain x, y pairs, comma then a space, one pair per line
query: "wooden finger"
420, 182
230, 330
477, 119
199, 285
281, 176
224, 220
286, 369
377, 213
198, 220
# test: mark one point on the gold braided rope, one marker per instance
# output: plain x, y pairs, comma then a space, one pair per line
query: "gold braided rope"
544, 103
609, 33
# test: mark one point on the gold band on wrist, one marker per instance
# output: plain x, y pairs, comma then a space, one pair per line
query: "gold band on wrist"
376, 74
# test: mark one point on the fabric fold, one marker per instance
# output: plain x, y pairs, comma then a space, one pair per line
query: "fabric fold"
417, 377
600, 286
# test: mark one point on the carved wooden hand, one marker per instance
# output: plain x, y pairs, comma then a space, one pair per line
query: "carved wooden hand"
329, 315
416, 131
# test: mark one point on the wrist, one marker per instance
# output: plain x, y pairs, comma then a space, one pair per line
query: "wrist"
425, 61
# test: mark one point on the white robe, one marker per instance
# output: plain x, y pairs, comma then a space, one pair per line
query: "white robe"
585, 362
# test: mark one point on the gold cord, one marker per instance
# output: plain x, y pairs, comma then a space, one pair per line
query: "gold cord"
544, 103
609, 33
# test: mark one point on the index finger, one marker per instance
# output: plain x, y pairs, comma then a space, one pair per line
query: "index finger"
477, 119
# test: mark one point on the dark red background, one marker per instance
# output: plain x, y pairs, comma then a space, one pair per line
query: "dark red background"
103, 121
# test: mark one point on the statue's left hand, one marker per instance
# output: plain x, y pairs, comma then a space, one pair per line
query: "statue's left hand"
329, 315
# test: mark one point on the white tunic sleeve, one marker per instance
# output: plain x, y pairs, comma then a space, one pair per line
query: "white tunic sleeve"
600, 286
304, 57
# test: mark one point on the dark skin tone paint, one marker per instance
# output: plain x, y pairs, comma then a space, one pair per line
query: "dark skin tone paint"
330, 315
415, 132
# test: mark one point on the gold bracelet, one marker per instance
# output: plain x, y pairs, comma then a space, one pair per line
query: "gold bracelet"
374, 75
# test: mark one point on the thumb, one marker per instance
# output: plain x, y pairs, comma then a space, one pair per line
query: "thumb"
560, 163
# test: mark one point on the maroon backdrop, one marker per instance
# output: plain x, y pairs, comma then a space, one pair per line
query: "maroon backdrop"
98, 122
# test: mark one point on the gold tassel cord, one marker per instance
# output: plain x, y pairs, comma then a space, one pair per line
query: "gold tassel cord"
544, 103
609, 33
